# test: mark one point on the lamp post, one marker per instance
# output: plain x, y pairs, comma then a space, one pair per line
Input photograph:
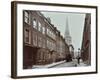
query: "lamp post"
78, 52
78, 56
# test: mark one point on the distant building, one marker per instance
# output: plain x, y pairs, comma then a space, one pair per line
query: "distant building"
75, 54
43, 43
71, 49
69, 41
86, 43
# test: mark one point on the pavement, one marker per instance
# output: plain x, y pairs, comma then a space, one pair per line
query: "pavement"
73, 63
80, 64
66, 64
49, 65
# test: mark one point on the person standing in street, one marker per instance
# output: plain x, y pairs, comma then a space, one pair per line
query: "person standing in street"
78, 59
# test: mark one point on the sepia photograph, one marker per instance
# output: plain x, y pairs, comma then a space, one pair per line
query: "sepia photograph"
56, 39
53, 39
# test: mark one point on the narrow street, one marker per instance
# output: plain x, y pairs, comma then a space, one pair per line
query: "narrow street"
61, 64
72, 63
66, 64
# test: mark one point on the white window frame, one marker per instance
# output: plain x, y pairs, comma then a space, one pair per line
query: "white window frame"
39, 26
34, 23
27, 17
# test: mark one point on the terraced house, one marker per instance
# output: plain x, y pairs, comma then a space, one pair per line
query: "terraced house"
43, 43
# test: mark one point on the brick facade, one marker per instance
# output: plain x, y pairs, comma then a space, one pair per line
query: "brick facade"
86, 43
43, 43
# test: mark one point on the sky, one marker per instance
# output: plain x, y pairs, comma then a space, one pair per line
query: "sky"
75, 24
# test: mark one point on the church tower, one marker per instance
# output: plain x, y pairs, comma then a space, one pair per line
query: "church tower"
67, 34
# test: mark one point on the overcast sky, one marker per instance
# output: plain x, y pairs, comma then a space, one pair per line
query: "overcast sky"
75, 24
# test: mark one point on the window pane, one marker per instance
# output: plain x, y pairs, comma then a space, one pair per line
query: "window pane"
39, 41
26, 35
26, 14
34, 39
48, 31
34, 24
39, 26
27, 17
43, 30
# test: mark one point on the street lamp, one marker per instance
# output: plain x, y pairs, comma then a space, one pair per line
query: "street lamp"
78, 56
78, 52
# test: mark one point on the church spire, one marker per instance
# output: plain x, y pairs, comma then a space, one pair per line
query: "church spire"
67, 28
67, 34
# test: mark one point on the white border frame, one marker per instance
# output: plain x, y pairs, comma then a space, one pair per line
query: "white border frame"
21, 72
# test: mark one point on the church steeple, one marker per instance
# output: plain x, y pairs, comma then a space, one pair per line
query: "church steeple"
67, 34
